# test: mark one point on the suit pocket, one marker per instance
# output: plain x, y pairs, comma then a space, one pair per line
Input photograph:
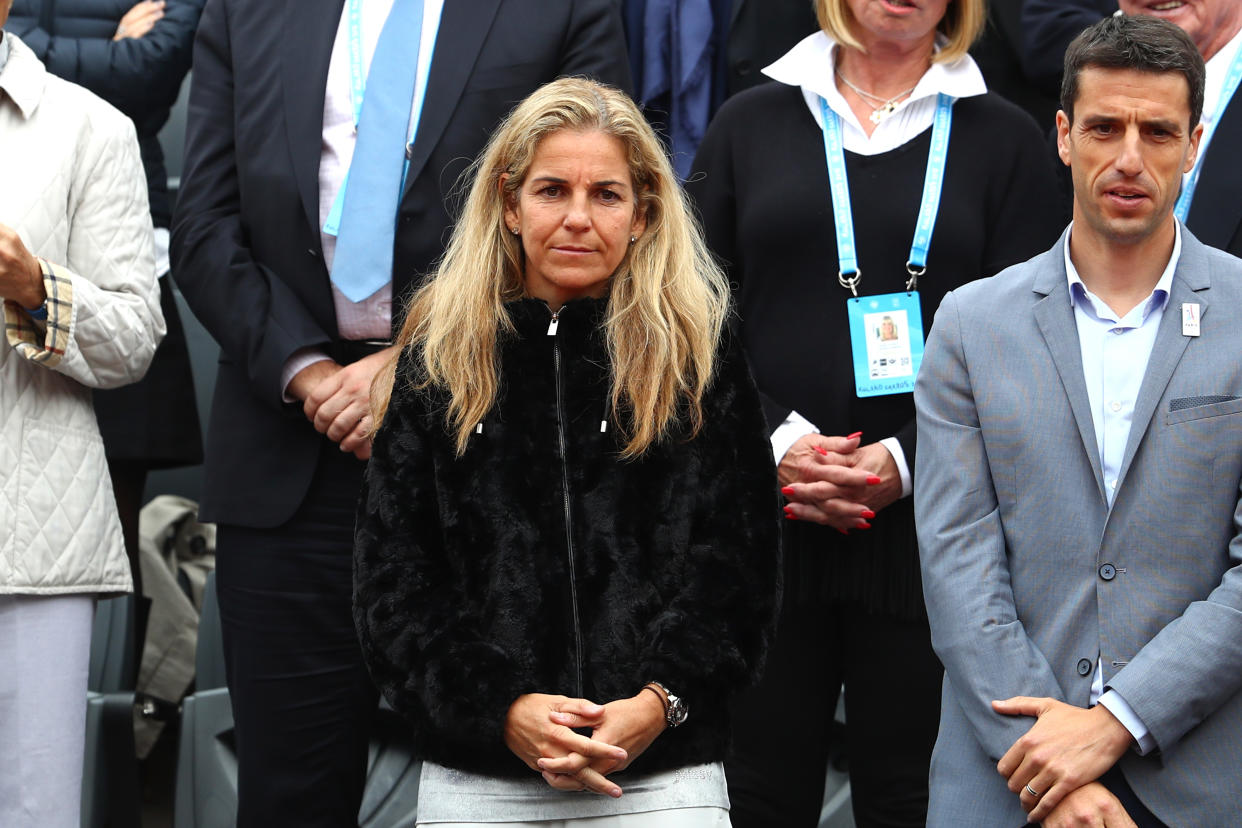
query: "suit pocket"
1185, 409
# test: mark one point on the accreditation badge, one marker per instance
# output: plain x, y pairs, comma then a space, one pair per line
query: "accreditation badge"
886, 337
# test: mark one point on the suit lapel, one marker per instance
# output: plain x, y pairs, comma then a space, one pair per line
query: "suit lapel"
737, 10
1213, 213
1054, 314
464, 25
306, 50
1190, 283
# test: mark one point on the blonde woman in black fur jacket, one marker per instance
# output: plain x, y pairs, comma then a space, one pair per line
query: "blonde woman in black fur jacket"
566, 560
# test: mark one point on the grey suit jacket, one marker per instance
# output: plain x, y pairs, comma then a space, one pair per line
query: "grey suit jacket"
1030, 577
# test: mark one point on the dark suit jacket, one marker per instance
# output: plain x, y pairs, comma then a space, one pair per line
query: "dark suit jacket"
246, 243
1216, 212
760, 31
999, 55
1050, 27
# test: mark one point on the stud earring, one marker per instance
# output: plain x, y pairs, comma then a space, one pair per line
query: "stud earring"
513, 230
633, 239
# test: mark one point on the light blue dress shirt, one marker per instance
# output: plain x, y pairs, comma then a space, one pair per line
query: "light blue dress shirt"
1115, 352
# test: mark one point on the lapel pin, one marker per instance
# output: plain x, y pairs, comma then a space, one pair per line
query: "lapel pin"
1190, 319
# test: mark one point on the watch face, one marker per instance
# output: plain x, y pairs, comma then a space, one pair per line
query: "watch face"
677, 711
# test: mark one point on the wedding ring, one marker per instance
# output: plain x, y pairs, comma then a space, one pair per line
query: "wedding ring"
1033, 792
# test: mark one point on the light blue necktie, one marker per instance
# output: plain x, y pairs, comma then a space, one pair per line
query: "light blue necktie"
363, 261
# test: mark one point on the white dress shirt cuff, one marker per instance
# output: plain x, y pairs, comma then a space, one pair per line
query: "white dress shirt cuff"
789, 432
301, 358
1120, 708
899, 457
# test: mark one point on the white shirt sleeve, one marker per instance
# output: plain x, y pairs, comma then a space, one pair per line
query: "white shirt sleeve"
301, 358
1120, 708
899, 457
789, 432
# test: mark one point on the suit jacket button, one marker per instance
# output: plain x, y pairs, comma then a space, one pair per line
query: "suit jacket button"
1084, 667
1108, 572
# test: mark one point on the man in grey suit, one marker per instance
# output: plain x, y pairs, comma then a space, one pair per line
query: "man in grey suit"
1080, 452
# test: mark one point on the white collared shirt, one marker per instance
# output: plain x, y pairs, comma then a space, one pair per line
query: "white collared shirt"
810, 65
1115, 352
372, 317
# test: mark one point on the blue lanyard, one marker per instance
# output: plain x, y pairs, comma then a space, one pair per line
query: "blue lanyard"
357, 78
834, 150
1232, 81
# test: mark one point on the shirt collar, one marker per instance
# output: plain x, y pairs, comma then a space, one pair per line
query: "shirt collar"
22, 75
1078, 291
810, 64
4, 49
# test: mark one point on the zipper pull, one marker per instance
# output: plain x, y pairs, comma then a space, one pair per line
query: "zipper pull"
556, 320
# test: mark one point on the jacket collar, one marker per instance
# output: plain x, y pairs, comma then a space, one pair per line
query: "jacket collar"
578, 316
22, 75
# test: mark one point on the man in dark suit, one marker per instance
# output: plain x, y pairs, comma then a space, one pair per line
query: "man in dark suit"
282, 93
1215, 211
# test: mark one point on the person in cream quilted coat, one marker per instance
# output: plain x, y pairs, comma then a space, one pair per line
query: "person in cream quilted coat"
81, 311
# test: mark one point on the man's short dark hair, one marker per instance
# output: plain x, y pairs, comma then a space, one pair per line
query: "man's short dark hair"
1139, 42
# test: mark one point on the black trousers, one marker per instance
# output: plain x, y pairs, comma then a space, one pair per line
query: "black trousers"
302, 700
782, 727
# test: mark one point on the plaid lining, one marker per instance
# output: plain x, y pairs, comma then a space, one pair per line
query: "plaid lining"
21, 331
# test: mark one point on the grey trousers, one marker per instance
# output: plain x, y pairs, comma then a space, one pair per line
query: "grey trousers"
671, 818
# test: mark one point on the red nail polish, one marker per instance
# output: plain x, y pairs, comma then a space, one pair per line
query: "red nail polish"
844, 531
873, 480
855, 434
788, 510
868, 514
787, 490
864, 526
821, 450
790, 516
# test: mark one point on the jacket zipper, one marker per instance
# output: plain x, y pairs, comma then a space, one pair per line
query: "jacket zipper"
569, 520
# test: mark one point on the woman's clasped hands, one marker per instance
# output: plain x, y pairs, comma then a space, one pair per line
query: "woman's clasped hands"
541, 730
838, 482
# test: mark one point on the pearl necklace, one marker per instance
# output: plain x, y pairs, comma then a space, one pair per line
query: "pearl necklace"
886, 105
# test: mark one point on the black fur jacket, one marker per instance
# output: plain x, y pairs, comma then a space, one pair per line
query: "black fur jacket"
539, 561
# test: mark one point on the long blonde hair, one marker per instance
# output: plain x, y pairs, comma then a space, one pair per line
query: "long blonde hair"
667, 299
962, 22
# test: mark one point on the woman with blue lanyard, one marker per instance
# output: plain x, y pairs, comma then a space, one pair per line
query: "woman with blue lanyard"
845, 200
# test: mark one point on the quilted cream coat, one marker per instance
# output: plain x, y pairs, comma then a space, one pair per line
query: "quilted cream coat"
72, 186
